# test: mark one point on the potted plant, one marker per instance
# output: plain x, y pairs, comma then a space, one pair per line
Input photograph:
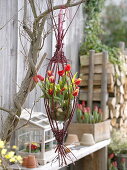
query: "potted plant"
90, 122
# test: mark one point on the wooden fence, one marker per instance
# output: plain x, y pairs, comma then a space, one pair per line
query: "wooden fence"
14, 47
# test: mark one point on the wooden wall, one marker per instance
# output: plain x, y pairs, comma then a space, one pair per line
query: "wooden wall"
14, 48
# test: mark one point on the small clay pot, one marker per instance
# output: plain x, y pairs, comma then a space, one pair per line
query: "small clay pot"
87, 139
31, 162
25, 161
72, 139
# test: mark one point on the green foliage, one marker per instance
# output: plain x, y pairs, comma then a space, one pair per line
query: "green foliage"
118, 143
115, 25
93, 30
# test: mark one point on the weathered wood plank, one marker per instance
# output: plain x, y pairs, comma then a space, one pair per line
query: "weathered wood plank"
96, 96
97, 79
84, 60
104, 84
97, 69
90, 80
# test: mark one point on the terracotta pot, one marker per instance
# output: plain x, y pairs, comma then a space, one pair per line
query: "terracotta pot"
31, 162
25, 161
87, 139
72, 139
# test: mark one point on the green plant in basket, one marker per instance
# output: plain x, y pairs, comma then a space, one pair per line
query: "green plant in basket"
84, 115
59, 92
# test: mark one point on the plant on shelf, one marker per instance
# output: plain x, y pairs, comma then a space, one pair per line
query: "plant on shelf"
84, 115
33, 147
59, 93
8, 155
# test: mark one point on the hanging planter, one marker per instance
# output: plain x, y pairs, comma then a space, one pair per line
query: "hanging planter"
60, 91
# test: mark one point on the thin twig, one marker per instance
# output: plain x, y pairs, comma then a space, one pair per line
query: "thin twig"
25, 27
66, 5
33, 8
5, 110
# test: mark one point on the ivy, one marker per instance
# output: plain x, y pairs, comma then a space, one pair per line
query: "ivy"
93, 30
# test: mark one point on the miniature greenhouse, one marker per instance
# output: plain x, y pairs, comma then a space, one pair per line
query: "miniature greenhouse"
34, 136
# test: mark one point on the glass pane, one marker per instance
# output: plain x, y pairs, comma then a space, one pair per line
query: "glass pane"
35, 119
42, 116
43, 123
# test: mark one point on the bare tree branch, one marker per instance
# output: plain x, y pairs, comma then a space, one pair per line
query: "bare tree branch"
33, 8
5, 110
25, 27
41, 61
58, 7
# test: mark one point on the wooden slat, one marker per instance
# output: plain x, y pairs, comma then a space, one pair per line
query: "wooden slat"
104, 84
90, 81
84, 60
97, 69
96, 96
97, 79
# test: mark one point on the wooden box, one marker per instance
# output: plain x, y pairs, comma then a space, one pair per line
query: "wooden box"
100, 131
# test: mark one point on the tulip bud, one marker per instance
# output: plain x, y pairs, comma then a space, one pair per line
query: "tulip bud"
35, 78
49, 73
51, 79
77, 81
50, 91
40, 77
61, 73
67, 67
75, 92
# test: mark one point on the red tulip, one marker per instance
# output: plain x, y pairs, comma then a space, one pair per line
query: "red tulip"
35, 78
88, 110
49, 73
51, 79
83, 103
114, 164
100, 111
40, 77
77, 81
111, 156
84, 110
75, 92
67, 67
96, 108
123, 160
61, 73
50, 91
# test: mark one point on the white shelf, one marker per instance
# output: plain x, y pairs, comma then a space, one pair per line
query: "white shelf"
82, 152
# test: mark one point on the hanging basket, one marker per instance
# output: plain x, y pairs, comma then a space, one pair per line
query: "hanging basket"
60, 91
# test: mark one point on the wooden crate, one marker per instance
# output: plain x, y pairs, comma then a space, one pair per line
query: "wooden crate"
100, 131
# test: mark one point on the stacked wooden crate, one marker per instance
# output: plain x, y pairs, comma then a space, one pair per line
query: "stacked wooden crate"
116, 94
